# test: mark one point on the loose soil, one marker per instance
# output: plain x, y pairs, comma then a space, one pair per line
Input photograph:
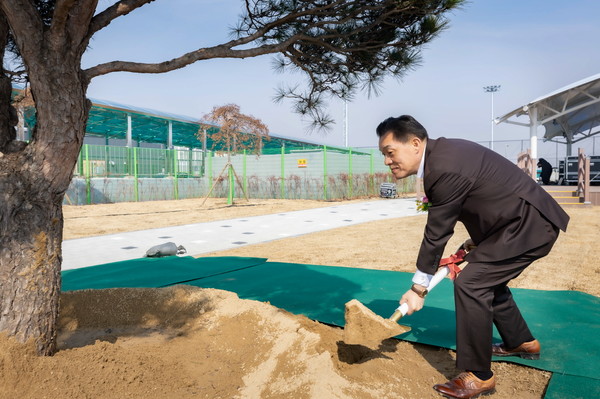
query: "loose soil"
187, 342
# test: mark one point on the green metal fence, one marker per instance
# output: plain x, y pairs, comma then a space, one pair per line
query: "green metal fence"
146, 174
112, 161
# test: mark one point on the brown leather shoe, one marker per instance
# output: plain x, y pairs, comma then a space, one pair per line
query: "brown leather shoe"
527, 350
466, 386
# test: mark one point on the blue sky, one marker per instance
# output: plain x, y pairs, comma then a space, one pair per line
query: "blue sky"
530, 48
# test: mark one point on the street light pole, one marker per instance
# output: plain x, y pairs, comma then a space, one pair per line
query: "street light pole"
492, 89
346, 123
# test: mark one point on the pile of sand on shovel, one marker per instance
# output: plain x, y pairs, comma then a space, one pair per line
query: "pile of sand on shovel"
363, 327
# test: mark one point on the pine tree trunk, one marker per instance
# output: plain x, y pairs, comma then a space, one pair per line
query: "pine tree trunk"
30, 258
33, 181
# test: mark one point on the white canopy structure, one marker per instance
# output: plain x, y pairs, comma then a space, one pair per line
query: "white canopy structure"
569, 114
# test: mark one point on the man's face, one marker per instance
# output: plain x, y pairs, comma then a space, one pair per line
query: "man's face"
403, 159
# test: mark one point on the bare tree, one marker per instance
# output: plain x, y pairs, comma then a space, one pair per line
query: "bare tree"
235, 132
340, 45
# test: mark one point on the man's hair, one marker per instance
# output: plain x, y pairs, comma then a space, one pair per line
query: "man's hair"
402, 127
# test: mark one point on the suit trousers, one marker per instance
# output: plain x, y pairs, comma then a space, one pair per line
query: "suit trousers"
483, 299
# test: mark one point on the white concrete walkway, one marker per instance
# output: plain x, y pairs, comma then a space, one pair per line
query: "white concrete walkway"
226, 234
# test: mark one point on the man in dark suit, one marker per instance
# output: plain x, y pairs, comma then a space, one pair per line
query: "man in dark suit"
512, 222
546, 170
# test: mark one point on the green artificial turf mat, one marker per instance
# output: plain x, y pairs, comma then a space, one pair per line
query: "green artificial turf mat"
152, 272
565, 322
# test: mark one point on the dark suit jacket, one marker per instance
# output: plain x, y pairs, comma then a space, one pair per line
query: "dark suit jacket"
505, 212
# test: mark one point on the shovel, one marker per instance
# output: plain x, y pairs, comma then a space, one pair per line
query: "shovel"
363, 327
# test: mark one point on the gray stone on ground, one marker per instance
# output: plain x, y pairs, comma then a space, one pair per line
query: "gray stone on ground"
166, 249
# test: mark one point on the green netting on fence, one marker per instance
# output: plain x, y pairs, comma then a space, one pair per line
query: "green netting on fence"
114, 161
115, 174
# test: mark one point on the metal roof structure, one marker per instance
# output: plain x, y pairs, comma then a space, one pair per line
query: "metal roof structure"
569, 114
111, 120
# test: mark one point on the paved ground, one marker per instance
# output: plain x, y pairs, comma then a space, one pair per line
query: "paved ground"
225, 234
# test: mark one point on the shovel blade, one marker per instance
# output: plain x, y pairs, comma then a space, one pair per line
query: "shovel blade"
363, 327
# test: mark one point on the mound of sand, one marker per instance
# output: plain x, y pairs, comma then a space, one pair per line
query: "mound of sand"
188, 342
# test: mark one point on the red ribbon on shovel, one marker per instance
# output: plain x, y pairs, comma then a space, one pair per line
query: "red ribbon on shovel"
453, 261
